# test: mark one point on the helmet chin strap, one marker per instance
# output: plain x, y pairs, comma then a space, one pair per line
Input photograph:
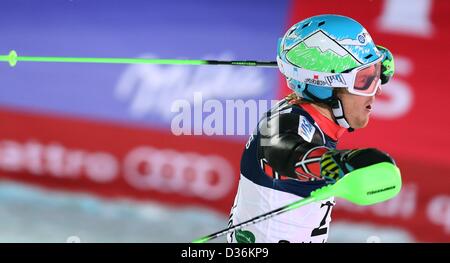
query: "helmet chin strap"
339, 115
336, 107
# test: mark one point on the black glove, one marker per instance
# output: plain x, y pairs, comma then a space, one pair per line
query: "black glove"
335, 164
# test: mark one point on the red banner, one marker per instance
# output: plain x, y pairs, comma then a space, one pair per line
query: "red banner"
117, 161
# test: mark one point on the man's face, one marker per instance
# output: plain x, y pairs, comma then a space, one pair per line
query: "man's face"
357, 108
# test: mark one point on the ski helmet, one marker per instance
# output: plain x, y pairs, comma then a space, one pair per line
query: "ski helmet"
325, 52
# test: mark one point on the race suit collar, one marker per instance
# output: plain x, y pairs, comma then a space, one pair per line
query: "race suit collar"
329, 127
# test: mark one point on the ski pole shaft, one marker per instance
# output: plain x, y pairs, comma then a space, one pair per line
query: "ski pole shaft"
12, 58
257, 219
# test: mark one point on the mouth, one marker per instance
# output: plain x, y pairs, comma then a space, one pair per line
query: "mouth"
369, 107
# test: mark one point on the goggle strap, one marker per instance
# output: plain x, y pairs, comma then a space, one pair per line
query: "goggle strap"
330, 80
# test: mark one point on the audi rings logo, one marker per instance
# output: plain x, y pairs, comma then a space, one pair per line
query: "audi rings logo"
205, 176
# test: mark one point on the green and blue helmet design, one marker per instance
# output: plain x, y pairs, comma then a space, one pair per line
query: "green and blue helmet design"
328, 44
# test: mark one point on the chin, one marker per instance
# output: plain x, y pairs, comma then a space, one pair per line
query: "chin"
362, 123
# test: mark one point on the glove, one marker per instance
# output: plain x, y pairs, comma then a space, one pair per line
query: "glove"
335, 164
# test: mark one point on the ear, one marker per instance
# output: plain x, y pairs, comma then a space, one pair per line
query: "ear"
387, 65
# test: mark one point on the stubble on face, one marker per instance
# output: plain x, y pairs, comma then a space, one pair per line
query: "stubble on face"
357, 109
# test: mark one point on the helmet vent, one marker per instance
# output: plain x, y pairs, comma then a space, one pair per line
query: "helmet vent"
305, 25
321, 23
292, 31
368, 56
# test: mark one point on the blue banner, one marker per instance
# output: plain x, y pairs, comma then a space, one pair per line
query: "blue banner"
143, 94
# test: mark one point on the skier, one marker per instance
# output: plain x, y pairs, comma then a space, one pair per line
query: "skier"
335, 70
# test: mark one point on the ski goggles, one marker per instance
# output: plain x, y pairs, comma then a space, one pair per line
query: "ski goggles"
363, 81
